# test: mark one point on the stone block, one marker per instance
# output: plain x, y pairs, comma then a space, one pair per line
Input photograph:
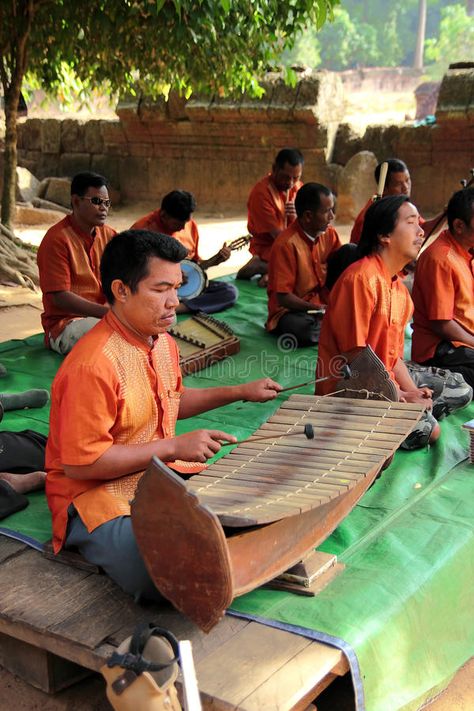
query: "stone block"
72, 136
152, 110
256, 109
30, 160
50, 136
356, 185
381, 141
29, 134
59, 191
72, 163
176, 106
456, 94
334, 173
134, 178
347, 143
426, 97
223, 110
108, 166
48, 164
93, 140
282, 102
321, 94
112, 133
27, 185
25, 215
198, 108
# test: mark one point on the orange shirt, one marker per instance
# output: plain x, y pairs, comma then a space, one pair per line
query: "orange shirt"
298, 266
443, 291
111, 389
69, 260
188, 236
367, 306
266, 213
359, 223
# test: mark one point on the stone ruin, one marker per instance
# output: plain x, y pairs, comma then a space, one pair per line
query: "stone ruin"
218, 148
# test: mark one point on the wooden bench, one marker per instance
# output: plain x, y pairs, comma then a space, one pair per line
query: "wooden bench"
58, 622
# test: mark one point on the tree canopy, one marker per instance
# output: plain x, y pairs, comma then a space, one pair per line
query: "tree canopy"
371, 33
147, 46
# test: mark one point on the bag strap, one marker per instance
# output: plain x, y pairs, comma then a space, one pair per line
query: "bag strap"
134, 659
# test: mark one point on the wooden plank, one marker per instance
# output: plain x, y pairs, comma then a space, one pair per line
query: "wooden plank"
296, 681
183, 628
10, 548
89, 658
38, 667
257, 653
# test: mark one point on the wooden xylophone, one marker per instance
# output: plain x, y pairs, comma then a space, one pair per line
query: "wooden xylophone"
203, 340
277, 500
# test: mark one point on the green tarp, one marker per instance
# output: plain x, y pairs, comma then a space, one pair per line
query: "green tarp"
402, 608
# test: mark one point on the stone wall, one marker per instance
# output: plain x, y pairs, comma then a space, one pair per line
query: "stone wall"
215, 148
438, 155
218, 148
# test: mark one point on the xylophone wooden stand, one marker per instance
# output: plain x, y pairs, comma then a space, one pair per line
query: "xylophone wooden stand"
310, 576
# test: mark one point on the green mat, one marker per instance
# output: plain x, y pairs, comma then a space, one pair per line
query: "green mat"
402, 608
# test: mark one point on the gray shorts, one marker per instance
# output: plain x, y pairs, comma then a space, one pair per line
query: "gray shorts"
71, 334
112, 546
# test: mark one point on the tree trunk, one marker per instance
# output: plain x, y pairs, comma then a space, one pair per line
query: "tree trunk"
10, 155
420, 35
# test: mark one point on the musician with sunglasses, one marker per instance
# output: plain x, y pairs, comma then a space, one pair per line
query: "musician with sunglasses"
68, 262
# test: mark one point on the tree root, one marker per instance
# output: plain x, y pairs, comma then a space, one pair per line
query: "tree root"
17, 265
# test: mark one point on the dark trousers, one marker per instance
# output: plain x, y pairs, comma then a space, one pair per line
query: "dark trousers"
22, 452
297, 329
218, 296
459, 359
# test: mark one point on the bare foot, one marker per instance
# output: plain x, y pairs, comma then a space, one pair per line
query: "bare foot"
23, 483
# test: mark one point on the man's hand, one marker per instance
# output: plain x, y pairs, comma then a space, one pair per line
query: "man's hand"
260, 390
420, 396
200, 445
290, 211
223, 254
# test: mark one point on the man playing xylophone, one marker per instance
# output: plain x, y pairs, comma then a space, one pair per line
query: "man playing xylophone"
129, 365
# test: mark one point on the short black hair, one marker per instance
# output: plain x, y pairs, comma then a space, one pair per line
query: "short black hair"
394, 166
380, 219
293, 156
338, 262
126, 257
179, 204
82, 181
461, 207
308, 197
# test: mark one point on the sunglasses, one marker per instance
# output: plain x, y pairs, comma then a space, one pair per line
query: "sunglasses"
97, 200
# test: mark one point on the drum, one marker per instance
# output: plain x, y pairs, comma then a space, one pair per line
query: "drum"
194, 280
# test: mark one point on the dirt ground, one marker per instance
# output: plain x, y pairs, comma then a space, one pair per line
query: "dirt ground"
20, 311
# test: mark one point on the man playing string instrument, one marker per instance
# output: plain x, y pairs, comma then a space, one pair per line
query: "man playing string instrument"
397, 182
271, 208
297, 267
370, 305
99, 446
174, 218
443, 293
